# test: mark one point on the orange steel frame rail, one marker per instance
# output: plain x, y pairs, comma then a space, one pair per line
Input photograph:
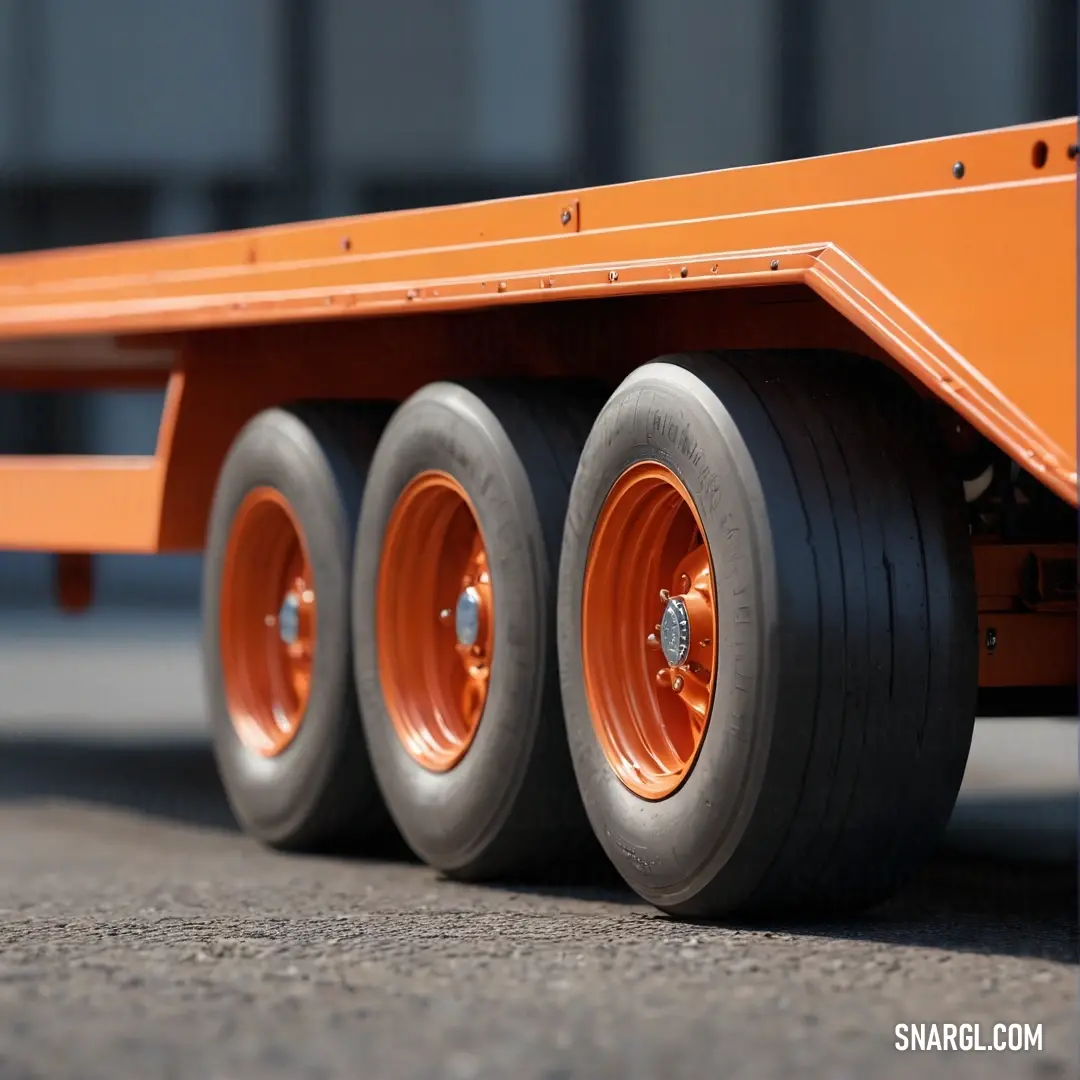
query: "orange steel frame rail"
951, 259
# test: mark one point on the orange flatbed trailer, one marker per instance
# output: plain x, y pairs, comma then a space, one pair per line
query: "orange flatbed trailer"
949, 265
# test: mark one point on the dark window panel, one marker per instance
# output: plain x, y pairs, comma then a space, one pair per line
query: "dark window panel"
412, 192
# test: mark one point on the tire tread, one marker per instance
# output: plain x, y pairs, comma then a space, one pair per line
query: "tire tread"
882, 776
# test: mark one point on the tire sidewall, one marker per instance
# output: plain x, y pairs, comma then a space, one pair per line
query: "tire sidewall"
449, 818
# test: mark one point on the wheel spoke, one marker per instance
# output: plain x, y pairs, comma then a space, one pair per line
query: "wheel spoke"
693, 571
695, 694
473, 695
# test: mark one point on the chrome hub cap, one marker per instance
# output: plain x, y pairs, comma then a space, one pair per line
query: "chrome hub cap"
675, 632
467, 617
289, 619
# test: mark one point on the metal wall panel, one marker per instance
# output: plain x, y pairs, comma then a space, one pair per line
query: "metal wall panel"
703, 84
896, 70
184, 87
398, 85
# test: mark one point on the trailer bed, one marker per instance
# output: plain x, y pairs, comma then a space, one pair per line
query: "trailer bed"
953, 258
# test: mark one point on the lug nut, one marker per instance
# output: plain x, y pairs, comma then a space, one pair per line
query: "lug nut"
665, 595
677, 683
445, 615
652, 641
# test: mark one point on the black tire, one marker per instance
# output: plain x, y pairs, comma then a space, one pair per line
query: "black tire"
845, 598
510, 806
319, 792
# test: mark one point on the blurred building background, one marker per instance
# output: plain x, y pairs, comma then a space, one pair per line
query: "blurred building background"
122, 119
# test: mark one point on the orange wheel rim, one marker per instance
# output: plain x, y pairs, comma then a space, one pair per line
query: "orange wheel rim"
267, 622
435, 620
649, 630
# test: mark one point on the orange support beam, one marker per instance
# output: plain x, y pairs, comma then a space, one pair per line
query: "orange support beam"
74, 581
79, 504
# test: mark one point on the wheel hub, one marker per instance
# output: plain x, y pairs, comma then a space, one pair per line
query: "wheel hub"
675, 632
435, 615
267, 628
649, 571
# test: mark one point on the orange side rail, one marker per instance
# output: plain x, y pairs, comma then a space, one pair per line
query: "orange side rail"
955, 257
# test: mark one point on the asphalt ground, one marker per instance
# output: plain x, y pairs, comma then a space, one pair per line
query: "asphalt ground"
142, 936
